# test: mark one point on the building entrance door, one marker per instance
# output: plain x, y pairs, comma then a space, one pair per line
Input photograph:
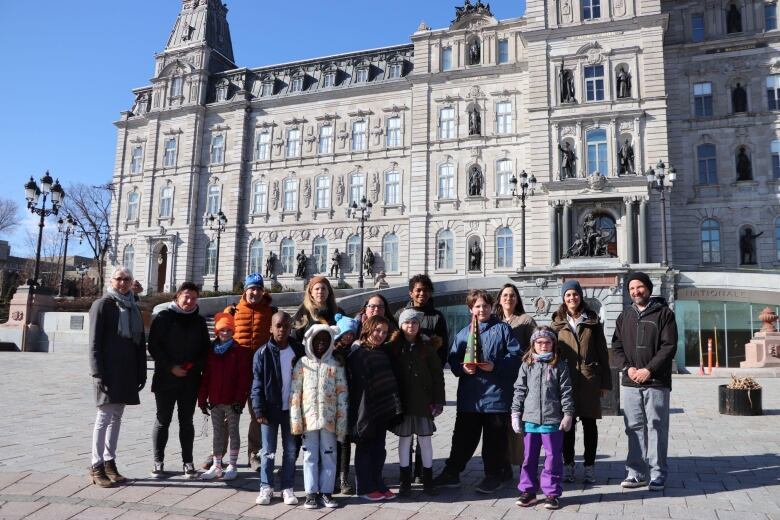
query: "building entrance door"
162, 268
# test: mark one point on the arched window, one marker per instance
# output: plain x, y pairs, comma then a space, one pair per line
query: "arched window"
128, 258
132, 206
777, 239
597, 152
211, 258
320, 254
287, 256
446, 181
503, 174
353, 253
166, 201
504, 247
357, 187
256, 256
260, 198
708, 164
390, 252
710, 242
213, 200
445, 246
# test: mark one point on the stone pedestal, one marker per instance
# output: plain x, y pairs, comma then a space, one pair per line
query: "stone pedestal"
759, 351
23, 326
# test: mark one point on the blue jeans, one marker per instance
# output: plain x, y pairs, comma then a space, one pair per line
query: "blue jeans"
319, 461
646, 415
369, 461
269, 433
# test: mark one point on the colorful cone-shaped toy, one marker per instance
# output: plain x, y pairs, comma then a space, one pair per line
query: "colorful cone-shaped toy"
473, 356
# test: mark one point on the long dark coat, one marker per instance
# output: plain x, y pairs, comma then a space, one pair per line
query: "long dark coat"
588, 359
117, 363
419, 374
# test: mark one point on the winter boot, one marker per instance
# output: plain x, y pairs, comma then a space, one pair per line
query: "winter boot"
418, 466
342, 479
427, 478
98, 475
405, 489
112, 473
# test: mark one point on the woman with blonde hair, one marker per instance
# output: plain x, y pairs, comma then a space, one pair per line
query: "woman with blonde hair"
319, 306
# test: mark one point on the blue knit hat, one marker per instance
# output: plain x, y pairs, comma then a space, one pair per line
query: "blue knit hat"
570, 285
253, 280
345, 325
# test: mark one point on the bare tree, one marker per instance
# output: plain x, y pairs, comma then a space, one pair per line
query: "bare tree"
91, 207
51, 256
9, 213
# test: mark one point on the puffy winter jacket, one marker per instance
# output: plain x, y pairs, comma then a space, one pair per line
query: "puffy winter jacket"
543, 392
227, 378
252, 322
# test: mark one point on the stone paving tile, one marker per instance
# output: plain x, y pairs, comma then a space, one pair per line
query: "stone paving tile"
740, 515
66, 486
140, 515
12, 510
56, 512
386, 513
98, 513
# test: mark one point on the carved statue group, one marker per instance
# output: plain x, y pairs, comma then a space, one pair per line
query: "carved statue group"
591, 243
469, 8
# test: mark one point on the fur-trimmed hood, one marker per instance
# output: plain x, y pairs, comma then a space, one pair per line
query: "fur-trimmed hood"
308, 339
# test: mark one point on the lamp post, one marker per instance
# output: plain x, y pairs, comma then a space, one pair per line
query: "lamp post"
217, 223
32, 193
82, 270
527, 187
656, 178
66, 226
362, 212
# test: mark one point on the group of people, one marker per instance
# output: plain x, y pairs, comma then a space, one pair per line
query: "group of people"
324, 381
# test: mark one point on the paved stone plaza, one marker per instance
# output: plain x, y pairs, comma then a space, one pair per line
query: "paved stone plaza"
721, 467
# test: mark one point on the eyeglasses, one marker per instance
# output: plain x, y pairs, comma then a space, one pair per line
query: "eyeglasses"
123, 279
375, 306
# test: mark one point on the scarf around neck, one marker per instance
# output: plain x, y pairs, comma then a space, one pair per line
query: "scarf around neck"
130, 325
173, 306
221, 348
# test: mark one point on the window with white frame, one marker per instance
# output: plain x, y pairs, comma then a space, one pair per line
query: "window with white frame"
710, 241
357, 188
445, 247
137, 159
504, 247
708, 163
503, 174
262, 145
393, 128
697, 27
503, 51
256, 256
773, 91
128, 257
287, 256
390, 252
597, 151
775, 151
211, 258
353, 253
320, 254
359, 135
392, 188
394, 70
213, 199
361, 75
169, 155
217, 155
297, 84
446, 58
290, 195
132, 206
446, 181
222, 91
293, 142
594, 83
447, 123
260, 198
267, 89
702, 99
770, 16
329, 79
591, 9
322, 192
177, 84
326, 139
504, 117
166, 201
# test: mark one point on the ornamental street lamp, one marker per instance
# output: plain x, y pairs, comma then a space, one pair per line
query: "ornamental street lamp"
82, 271
527, 187
217, 223
361, 212
32, 193
67, 227
656, 178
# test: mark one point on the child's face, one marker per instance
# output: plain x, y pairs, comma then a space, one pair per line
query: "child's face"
224, 335
320, 343
410, 328
481, 310
280, 329
347, 339
378, 335
542, 345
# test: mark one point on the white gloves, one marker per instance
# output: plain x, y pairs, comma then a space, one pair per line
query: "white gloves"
566, 423
517, 423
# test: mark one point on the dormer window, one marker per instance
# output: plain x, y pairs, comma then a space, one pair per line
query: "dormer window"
297, 84
267, 89
176, 86
361, 75
329, 79
394, 70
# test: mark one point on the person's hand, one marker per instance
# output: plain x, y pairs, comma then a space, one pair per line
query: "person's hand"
137, 288
436, 409
469, 369
101, 385
631, 373
641, 375
488, 366
261, 420
178, 371
517, 423
566, 423
237, 407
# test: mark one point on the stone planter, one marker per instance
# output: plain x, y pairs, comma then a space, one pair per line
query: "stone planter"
739, 402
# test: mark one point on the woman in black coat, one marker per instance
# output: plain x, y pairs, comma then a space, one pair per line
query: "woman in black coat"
179, 343
118, 367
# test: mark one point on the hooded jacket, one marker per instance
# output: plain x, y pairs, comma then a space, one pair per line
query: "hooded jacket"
487, 392
252, 321
543, 392
646, 339
318, 392
267, 379
227, 378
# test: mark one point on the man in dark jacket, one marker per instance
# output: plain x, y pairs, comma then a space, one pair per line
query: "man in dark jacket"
644, 345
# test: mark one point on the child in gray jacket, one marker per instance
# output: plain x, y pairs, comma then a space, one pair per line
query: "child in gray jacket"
543, 407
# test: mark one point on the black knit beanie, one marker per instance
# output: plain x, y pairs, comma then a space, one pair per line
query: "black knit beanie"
642, 277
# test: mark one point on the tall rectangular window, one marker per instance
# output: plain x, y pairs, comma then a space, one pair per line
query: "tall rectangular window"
773, 91
770, 16
176, 86
447, 123
262, 146
503, 51
594, 83
322, 192
393, 132
319, 251
697, 28
326, 139
591, 9
166, 202
392, 191
503, 174
702, 99
169, 157
708, 164
359, 136
137, 159
217, 155
597, 152
504, 117
357, 187
290, 195
446, 181
213, 200
259, 198
132, 206
211, 258
293, 142
446, 58
390, 252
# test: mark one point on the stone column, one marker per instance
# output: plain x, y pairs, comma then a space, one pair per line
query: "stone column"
566, 227
554, 254
630, 240
643, 230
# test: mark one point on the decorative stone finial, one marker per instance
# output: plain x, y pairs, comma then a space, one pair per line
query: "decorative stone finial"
769, 317
423, 27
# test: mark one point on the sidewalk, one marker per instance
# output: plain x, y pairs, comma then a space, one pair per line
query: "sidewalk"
721, 467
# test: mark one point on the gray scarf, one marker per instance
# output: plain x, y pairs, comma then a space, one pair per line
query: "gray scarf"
173, 306
130, 324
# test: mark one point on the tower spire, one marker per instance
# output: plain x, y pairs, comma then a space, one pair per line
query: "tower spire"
202, 22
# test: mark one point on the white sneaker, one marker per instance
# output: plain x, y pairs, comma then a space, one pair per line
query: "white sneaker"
213, 472
590, 475
289, 497
265, 496
568, 472
230, 473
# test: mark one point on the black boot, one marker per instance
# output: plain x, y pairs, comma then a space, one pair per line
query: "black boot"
405, 489
427, 478
418, 464
342, 480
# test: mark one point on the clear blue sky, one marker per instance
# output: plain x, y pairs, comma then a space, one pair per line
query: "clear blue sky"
69, 66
